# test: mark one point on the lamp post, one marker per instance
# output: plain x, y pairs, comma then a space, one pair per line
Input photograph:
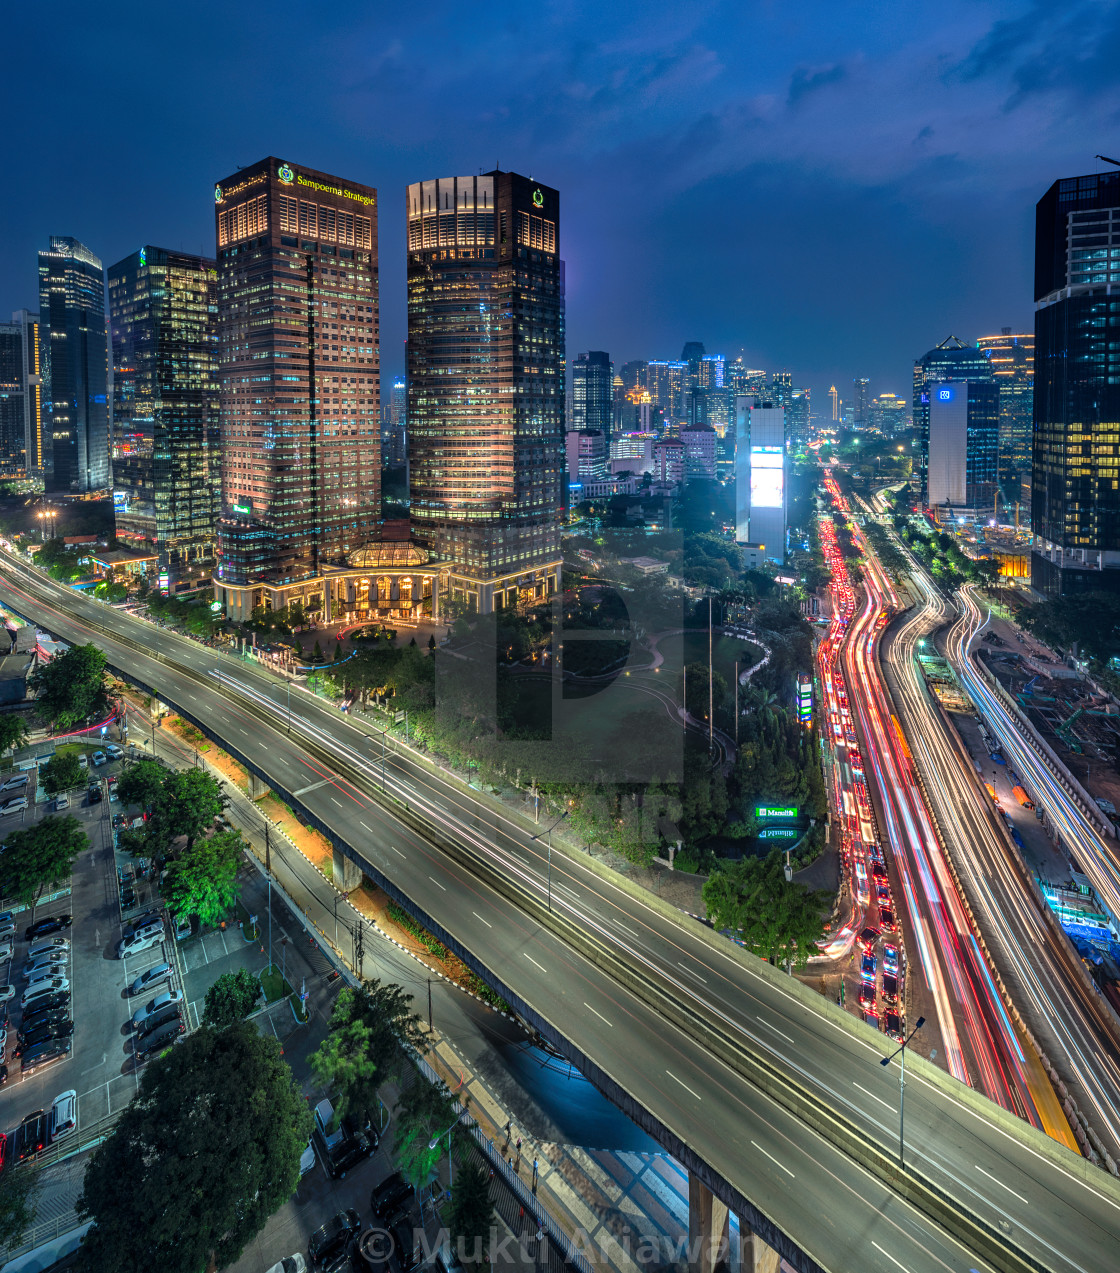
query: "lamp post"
434, 1144
549, 834
900, 1052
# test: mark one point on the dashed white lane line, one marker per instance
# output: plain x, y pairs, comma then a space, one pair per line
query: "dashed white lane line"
691, 973
999, 1182
774, 1028
885, 1104
485, 921
437, 883
599, 1015
684, 1085
773, 1159
534, 963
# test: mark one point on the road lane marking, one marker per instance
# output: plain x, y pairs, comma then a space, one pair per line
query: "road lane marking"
890, 1257
396, 850
437, 883
1000, 1183
534, 963
337, 802
874, 1097
600, 1016
362, 824
691, 973
485, 921
625, 929
684, 1085
568, 890
243, 731
763, 1021
262, 747
773, 1159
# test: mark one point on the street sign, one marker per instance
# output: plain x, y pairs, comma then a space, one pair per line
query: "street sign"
782, 812
779, 833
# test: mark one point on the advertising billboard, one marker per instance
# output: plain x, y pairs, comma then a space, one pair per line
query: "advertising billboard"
767, 476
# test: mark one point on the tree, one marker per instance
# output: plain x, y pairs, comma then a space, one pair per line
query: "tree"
61, 773
317, 653
141, 783
41, 854
200, 1158
425, 1112
13, 732
343, 1063
432, 642
337, 652
71, 686
19, 1186
231, 998
188, 802
472, 1212
202, 880
779, 921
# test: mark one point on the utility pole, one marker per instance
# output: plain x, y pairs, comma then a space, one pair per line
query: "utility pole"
711, 687
429, 1005
358, 950
268, 875
736, 702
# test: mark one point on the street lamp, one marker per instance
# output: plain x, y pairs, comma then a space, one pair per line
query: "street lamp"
434, 1144
549, 834
900, 1052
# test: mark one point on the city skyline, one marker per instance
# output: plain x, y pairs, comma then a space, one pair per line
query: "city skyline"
800, 152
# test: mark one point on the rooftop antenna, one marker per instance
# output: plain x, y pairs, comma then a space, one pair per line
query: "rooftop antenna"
1107, 160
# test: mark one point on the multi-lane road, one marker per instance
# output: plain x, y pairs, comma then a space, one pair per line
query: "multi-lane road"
1048, 1203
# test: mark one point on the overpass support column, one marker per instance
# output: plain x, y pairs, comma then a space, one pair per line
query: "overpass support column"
257, 787
709, 1229
347, 874
757, 1256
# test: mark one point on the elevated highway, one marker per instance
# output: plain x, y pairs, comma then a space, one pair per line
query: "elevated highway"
768, 1093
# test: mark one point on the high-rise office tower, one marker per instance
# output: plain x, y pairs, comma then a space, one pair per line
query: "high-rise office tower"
798, 415
163, 323
592, 391
760, 496
11, 400
861, 400
1075, 495
699, 442
887, 413
692, 355
75, 368
667, 383
299, 376
780, 389
963, 448
1012, 360
742, 379
834, 401
952, 360
486, 383
31, 354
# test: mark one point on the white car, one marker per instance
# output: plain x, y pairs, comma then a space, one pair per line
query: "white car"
61, 802
99, 758
7, 931
6, 949
83, 760
52, 965
64, 1115
41, 989
7, 994
14, 805
163, 1000
289, 1264
45, 945
114, 752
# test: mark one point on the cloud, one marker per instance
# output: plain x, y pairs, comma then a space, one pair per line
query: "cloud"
806, 80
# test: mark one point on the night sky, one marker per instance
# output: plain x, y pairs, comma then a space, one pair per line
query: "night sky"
830, 187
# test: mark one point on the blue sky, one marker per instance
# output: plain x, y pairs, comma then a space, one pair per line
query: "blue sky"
830, 187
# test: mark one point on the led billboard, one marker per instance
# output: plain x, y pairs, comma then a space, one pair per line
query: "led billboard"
767, 476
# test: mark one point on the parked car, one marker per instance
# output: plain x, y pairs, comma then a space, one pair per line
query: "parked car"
46, 944
140, 941
407, 1250
113, 751
64, 1114
30, 1039
52, 924
393, 1193
43, 1016
48, 986
83, 760
160, 1003
52, 965
159, 1039
7, 993
148, 917
14, 805
94, 793
7, 930
47, 1003
892, 1024
157, 1020
289, 1264
6, 950
99, 758
43, 1054
61, 802
30, 1136
16, 782
334, 1236
340, 1147
154, 975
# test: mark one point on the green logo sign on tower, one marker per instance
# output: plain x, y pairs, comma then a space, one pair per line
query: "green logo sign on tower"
285, 175
538, 198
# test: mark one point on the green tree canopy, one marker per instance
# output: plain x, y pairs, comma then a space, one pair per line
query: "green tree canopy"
777, 920
202, 880
472, 1213
425, 1112
343, 1063
62, 772
142, 782
19, 1186
201, 1157
231, 998
71, 687
188, 802
13, 732
42, 854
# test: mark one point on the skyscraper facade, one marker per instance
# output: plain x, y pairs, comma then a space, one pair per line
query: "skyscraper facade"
33, 412
760, 497
888, 414
163, 323
299, 383
1012, 360
75, 368
592, 391
834, 402
11, 400
963, 448
1075, 495
861, 400
950, 360
667, 383
486, 384
394, 426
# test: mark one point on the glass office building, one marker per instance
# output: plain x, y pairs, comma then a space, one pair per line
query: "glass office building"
952, 360
163, 321
75, 368
486, 383
592, 392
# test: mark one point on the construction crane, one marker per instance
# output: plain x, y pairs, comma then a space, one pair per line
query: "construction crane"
1107, 160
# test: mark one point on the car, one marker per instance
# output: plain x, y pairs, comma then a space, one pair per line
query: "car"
879, 870
892, 1024
142, 921
113, 779
867, 995
167, 1035
118, 821
83, 760
45, 945
30, 1039
341, 1149
407, 1249
6, 950
307, 1158
99, 758
44, 1016
871, 1018
157, 1020
183, 928
289, 1264
887, 919
61, 802
890, 988
7, 930
7, 994
154, 975
334, 1236
52, 924
137, 943
160, 1003
16, 782
868, 966
51, 965
48, 1003
390, 1195
883, 892
14, 805
64, 1114
868, 937
41, 989
890, 959
128, 896
43, 1054
94, 793
114, 751
31, 1136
